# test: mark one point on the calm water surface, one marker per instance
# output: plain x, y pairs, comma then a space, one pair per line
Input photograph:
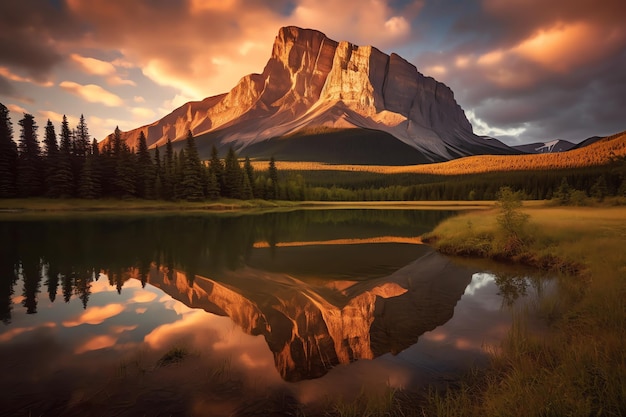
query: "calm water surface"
203, 314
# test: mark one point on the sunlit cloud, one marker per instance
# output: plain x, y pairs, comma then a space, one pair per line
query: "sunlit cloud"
17, 109
92, 93
96, 315
139, 99
94, 66
6, 73
372, 22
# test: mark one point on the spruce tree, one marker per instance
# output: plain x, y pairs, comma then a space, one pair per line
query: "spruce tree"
216, 169
272, 185
158, 175
51, 160
192, 172
249, 172
169, 166
30, 175
8, 155
145, 170
62, 180
89, 186
232, 175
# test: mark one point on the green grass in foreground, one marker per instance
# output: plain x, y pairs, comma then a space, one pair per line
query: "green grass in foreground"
579, 367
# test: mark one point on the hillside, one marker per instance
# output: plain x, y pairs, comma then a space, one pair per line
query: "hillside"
599, 153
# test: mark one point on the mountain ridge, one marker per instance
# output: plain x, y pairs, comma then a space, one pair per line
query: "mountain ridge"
311, 80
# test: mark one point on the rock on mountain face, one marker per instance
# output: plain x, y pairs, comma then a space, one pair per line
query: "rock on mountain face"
312, 82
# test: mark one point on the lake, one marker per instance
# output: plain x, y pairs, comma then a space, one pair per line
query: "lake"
220, 314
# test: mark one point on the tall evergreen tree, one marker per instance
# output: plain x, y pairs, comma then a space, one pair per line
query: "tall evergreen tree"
216, 169
179, 173
192, 172
232, 175
124, 168
81, 138
144, 182
248, 170
51, 160
158, 174
8, 155
62, 180
169, 167
30, 175
272, 189
89, 186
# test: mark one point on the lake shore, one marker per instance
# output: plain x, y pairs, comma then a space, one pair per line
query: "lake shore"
71, 206
579, 367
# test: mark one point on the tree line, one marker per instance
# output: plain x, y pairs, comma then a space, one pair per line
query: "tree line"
71, 165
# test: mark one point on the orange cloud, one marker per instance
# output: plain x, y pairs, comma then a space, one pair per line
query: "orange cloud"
96, 315
6, 73
567, 45
362, 22
92, 93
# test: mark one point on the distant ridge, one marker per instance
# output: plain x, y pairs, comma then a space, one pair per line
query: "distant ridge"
600, 153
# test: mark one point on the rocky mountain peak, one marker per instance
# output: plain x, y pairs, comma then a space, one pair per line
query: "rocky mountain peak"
311, 81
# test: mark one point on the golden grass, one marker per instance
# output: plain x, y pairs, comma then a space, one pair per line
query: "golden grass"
579, 368
599, 153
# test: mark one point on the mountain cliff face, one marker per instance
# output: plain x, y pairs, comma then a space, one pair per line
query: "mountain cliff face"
312, 83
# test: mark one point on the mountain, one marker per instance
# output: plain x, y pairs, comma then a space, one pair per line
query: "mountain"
557, 145
327, 101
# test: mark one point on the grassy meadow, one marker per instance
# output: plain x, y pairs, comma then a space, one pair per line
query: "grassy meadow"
578, 368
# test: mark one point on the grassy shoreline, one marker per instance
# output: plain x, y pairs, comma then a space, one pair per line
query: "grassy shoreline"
56, 206
579, 367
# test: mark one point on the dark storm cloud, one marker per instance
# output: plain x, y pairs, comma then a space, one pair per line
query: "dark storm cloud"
6, 89
554, 69
30, 34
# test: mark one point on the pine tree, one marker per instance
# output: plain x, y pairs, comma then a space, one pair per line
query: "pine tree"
145, 170
216, 168
30, 175
158, 175
192, 168
8, 155
249, 172
81, 138
125, 172
179, 174
168, 171
62, 180
246, 188
232, 175
272, 185
213, 188
89, 186
51, 153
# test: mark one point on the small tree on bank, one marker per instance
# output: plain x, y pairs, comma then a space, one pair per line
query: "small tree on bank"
511, 219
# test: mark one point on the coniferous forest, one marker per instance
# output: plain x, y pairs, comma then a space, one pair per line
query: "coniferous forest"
69, 164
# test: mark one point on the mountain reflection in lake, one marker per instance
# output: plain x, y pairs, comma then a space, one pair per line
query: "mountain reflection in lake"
253, 301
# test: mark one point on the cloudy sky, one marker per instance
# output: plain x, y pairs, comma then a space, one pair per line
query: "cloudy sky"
523, 70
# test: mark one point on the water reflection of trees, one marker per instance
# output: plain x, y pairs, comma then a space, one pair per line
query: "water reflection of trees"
513, 286
69, 254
